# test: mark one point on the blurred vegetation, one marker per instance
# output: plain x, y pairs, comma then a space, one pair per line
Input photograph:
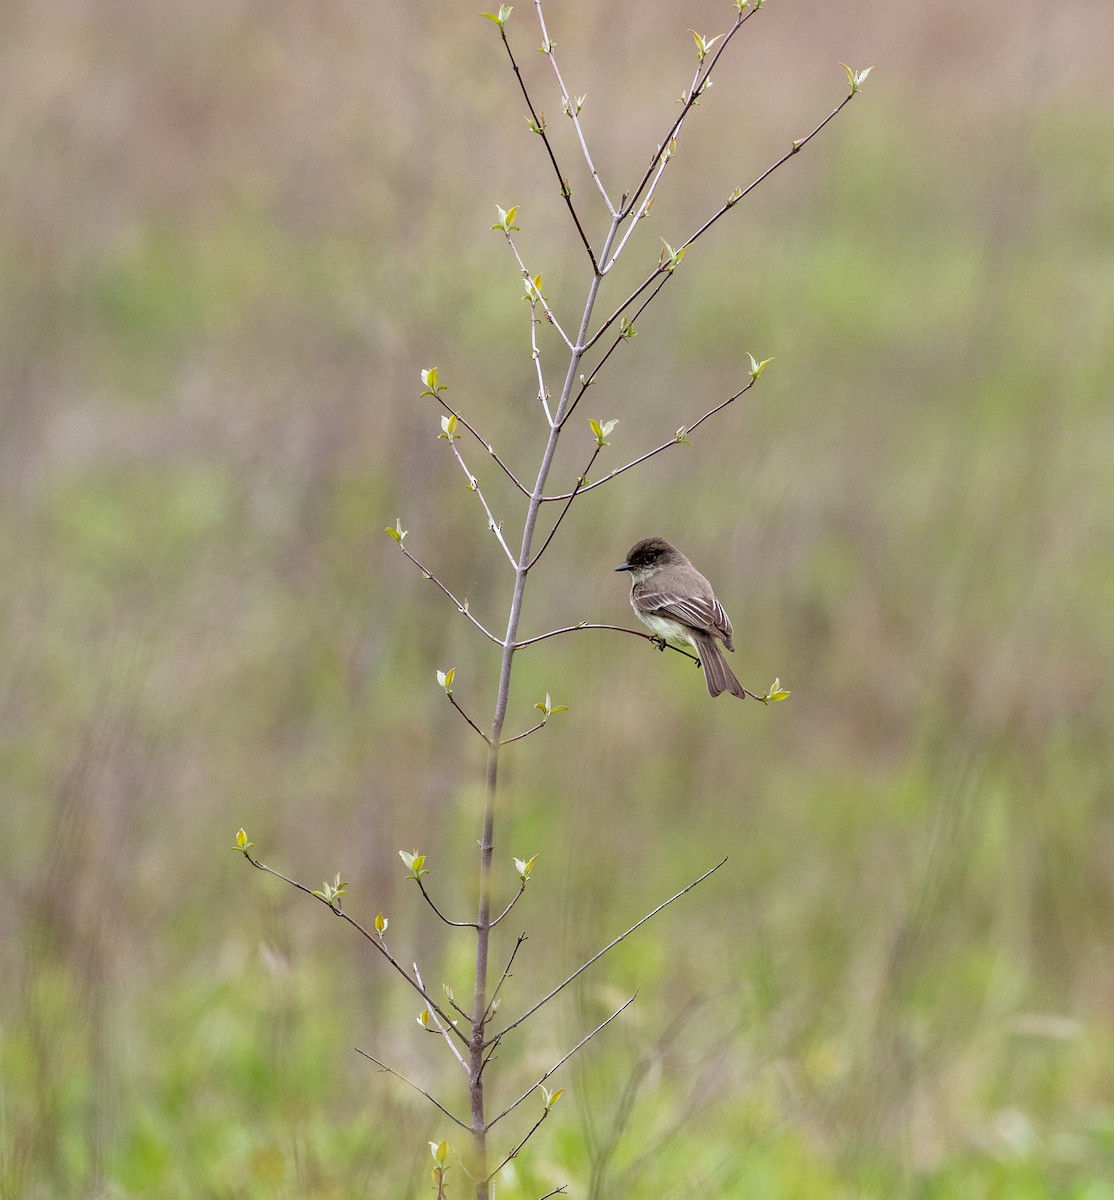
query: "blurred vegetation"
233, 235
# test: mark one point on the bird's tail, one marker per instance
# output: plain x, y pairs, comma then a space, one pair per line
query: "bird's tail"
717, 674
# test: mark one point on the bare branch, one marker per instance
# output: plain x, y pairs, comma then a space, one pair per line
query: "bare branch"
529, 1134
539, 126
795, 148
377, 942
694, 94
660, 269
444, 1023
452, 701
621, 337
600, 953
417, 1087
486, 445
519, 736
455, 924
641, 633
581, 480
675, 440
536, 296
650, 637
462, 608
473, 485
665, 153
572, 108
561, 1061
514, 899
505, 976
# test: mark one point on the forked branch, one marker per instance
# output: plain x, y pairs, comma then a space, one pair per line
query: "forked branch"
498, 1037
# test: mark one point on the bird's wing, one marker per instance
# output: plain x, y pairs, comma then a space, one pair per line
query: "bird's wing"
700, 612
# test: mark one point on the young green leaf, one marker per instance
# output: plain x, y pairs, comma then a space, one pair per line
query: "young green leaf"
524, 868
501, 17
602, 431
381, 924
756, 368
703, 45
398, 533
414, 863
856, 78
548, 708
440, 1152
332, 892
506, 219
670, 258
445, 679
242, 842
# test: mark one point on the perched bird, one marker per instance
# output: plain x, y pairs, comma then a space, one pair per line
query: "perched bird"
671, 597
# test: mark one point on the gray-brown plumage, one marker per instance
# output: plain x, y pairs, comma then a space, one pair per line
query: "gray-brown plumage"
671, 597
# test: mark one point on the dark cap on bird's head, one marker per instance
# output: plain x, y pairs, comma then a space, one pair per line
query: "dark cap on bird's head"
650, 552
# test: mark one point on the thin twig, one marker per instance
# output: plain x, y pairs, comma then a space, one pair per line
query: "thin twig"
417, 1087
676, 440
498, 1037
452, 701
514, 899
505, 976
794, 149
455, 924
571, 109
377, 942
621, 337
486, 445
443, 1027
649, 637
581, 480
665, 153
535, 293
519, 736
529, 1134
536, 357
661, 269
561, 1061
698, 87
473, 485
461, 607
539, 125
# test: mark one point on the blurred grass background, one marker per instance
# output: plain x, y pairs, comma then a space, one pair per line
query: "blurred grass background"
233, 234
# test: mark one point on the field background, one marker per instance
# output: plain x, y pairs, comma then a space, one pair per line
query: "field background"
233, 233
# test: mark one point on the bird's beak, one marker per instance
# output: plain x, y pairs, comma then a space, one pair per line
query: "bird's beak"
625, 567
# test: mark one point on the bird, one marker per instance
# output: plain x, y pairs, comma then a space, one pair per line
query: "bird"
671, 597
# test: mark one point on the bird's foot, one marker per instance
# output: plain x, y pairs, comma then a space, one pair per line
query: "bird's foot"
659, 642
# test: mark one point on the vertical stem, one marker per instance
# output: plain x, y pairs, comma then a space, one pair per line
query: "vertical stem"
487, 839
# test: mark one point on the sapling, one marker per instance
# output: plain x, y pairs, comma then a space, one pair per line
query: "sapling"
473, 1030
